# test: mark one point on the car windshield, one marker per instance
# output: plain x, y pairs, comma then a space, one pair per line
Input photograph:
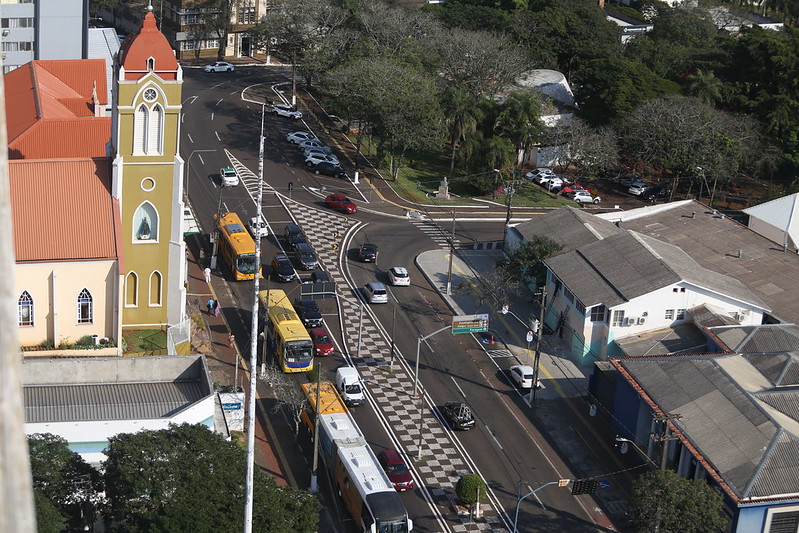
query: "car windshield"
299, 351
394, 526
398, 468
245, 263
352, 389
322, 339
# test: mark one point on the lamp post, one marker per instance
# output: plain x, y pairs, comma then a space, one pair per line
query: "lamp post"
188, 166
642, 452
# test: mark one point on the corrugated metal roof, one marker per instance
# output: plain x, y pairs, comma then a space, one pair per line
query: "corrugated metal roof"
780, 470
61, 138
568, 226
770, 365
62, 210
119, 401
771, 338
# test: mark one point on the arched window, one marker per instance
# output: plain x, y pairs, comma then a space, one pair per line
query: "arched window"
132, 290
145, 223
85, 307
155, 288
150, 63
140, 128
25, 309
155, 130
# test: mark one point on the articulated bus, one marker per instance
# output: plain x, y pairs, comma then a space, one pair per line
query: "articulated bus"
367, 492
236, 247
285, 333
330, 402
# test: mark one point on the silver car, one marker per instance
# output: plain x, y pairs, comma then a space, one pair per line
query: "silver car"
375, 293
637, 188
285, 110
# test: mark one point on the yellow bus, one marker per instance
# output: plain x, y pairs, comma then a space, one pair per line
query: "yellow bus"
236, 247
330, 401
285, 333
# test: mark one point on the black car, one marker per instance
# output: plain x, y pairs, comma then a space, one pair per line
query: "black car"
293, 236
657, 194
458, 415
309, 313
367, 253
282, 269
329, 169
319, 276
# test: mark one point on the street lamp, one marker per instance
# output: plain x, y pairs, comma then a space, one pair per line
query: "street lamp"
188, 167
626, 442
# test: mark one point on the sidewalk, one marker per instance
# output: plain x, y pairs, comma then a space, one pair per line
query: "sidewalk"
221, 355
561, 412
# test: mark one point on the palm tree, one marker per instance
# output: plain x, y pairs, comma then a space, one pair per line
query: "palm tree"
707, 87
462, 111
520, 121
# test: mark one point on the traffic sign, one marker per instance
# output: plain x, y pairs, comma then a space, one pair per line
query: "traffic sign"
470, 323
529, 335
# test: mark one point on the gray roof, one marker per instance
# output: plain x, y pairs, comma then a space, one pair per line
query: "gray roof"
740, 422
713, 242
627, 265
568, 226
682, 338
763, 338
121, 401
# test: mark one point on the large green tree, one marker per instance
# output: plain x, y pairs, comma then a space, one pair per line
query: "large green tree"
187, 478
665, 502
526, 264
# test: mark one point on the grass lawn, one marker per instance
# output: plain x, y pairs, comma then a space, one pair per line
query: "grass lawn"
146, 341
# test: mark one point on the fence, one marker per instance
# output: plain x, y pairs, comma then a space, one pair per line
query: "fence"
178, 338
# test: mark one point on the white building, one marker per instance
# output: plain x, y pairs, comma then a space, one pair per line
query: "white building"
778, 221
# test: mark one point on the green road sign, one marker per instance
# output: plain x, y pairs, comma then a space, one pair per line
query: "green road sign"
470, 323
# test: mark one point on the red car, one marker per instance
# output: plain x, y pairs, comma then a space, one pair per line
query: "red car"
322, 344
339, 202
396, 469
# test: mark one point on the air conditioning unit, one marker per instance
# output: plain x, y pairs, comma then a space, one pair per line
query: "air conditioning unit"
742, 315
641, 320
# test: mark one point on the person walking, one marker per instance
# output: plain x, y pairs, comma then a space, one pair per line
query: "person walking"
210, 305
207, 273
216, 308
230, 340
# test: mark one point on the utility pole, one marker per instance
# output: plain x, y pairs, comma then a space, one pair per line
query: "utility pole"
665, 436
215, 234
538, 336
393, 324
451, 253
509, 212
314, 478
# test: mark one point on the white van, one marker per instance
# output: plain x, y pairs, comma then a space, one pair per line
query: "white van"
348, 383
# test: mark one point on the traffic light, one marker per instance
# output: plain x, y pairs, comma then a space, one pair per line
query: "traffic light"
584, 486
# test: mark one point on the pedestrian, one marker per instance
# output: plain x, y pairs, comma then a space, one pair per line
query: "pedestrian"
216, 307
210, 305
207, 273
230, 340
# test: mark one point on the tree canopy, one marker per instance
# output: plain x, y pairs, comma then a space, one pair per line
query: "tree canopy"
525, 265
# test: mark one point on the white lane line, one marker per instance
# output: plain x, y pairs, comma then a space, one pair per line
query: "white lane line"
218, 102
190, 139
217, 136
493, 436
212, 115
190, 100
458, 386
182, 117
200, 157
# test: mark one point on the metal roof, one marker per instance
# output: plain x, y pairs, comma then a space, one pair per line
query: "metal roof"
568, 226
117, 401
740, 421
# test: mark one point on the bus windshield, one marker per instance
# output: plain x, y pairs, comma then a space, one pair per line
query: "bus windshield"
245, 263
299, 351
394, 526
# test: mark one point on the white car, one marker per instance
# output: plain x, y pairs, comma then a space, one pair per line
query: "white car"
296, 137
584, 197
375, 293
539, 172
258, 230
314, 144
316, 151
314, 158
228, 176
552, 183
219, 66
398, 276
285, 110
522, 375
542, 179
637, 188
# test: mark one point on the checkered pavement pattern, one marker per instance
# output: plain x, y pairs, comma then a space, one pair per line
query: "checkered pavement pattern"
388, 385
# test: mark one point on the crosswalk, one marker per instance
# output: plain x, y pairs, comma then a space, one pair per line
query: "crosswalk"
435, 232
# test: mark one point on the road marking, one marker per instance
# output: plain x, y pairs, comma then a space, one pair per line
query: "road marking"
217, 103
217, 136
190, 100
182, 117
200, 157
493, 436
499, 353
190, 139
212, 115
456, 384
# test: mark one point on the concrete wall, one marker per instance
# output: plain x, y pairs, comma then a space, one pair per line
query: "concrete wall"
62, 29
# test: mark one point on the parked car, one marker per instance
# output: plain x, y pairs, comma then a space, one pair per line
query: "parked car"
339, 202
309, 313
375, 293
322, 344
282, 269
537, 172
228, 176
329, 169
522, 375
306, 258
258, 227
657, 193
625, 180
396, 469
398, 276
585, 197
219, 66
313, 158
292, 234
296, 137
543, 178
319, 276
285, 110
367, 253
458, 415
637, 188
569, 189
553, 183
314, 143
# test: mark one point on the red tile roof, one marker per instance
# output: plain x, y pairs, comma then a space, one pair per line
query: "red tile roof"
146, 43
62, 210
50, 110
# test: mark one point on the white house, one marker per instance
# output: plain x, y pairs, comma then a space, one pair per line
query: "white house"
778, 221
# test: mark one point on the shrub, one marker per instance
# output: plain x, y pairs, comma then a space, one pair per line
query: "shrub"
467, 488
